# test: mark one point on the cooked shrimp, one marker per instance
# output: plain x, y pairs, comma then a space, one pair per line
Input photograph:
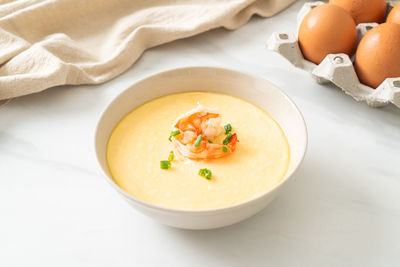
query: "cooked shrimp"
197, 127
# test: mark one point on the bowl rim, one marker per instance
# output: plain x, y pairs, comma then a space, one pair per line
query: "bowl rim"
199, 211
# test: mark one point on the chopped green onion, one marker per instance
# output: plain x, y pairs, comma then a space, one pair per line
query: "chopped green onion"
206, 173
176, 132
210, 141
228, 128
224, 149
165, 164
227, 139
198, 140
171, 156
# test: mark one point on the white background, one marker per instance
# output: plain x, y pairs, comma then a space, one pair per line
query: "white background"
342, 209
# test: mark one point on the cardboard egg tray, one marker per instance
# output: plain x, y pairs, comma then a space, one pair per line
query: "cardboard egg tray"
336, 68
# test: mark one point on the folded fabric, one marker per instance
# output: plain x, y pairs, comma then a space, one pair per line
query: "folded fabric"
46, 43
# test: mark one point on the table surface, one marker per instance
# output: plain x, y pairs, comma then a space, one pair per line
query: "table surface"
342, 208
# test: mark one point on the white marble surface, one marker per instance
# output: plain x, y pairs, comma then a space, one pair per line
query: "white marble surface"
342, 209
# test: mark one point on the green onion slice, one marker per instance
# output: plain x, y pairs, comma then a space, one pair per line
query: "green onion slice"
165, 164
228, 128
224, 149
227, 139
198, 140
176, 132
171, 156
206, 173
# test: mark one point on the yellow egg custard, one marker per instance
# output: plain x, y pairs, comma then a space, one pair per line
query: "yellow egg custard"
197, 150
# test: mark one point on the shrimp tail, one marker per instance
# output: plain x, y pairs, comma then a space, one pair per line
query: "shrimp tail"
232, 143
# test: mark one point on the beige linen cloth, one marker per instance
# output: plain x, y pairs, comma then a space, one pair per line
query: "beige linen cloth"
45, 43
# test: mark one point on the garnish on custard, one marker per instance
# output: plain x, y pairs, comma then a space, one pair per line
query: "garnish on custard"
198, 140
227, 139
197, 128
171, 156
228, 128
174, 133
206, 173
165, 164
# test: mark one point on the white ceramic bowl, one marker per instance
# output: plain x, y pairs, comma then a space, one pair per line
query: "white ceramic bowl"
251, 88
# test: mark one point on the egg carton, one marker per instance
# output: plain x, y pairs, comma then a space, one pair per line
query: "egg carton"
336, 68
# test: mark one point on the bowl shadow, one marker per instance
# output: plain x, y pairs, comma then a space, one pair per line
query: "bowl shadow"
307, 222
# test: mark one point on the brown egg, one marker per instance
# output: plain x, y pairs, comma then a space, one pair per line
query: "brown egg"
394, 15
327, 29
363, 10
378, 54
